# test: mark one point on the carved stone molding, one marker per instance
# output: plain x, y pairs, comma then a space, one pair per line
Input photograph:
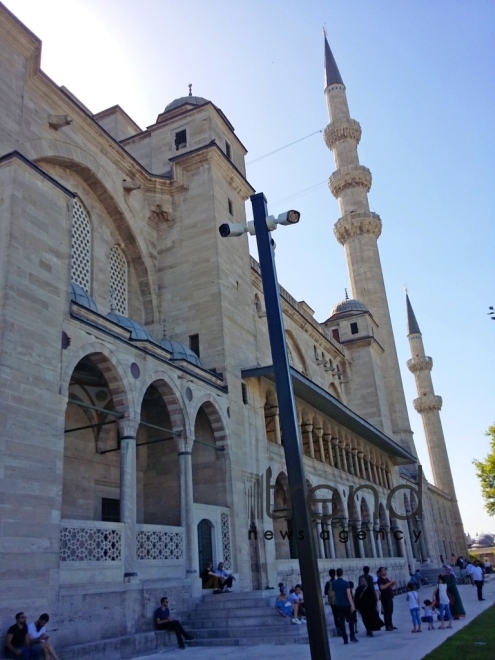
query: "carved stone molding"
353, 176
342, 128
357, 224
157, 215
420, 363
428, 403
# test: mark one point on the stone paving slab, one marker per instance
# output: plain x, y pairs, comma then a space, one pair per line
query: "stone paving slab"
385, 645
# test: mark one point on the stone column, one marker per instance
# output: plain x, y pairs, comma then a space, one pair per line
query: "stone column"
308, 429
355, 461
321, 545
386, 529
350, 462
276, 423
362, 554
344, 459
331, 542
185, 446
345, 528
370, 531
378, 539
335, 443
319, 435
328, 440
127, 433
361, 464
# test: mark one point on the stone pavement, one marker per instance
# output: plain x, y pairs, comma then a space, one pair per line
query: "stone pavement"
385, 645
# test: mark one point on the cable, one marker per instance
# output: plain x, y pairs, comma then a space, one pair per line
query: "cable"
301, 193
284, 147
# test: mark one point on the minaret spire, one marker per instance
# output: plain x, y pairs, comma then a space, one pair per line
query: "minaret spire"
358, 230
428, 405
332, 73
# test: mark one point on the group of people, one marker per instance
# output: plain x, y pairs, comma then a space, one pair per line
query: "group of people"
291, 605
217, 579
29, 641
474, 573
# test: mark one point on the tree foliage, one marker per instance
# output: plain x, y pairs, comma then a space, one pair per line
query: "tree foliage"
485, 471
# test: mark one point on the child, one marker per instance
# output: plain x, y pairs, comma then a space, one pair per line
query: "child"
429, 614
413, 600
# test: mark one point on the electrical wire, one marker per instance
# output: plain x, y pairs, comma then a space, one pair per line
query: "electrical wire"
300, 193
284, 147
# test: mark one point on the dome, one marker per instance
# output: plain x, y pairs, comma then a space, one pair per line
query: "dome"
180, 352
191, 100
347, 307
484, 541
137, 331
82, 297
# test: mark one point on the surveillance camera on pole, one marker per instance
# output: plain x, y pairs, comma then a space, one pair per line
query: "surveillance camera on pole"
236, 229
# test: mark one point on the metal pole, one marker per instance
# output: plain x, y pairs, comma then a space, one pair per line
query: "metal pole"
308, 563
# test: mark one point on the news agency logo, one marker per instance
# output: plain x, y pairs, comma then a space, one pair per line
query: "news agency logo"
264, 494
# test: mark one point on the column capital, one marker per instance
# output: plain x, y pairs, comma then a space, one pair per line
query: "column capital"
318, 431
128, 427
184, 444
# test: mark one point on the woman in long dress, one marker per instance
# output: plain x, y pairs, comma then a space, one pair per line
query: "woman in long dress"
365, 603
456, 607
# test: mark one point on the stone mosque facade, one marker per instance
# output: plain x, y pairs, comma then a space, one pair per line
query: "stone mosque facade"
140, 433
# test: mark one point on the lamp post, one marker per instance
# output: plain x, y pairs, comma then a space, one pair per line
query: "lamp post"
313, 601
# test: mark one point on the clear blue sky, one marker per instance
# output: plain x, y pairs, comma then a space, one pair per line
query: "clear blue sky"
419, 78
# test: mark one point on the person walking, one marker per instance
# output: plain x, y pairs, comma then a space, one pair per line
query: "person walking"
344, 606
456, 606
442, 598
428, 614
330, 594
387, 597
365, 604
478, 576
413, 600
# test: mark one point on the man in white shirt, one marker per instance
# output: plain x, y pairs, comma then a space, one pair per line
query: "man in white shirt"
469, 572
478, 575
39, 638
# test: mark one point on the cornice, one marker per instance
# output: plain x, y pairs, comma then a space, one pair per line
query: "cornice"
427, 403
420, 363
342, 128
352, 176
357, 224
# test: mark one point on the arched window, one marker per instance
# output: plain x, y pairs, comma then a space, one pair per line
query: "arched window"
118, 280
80, 268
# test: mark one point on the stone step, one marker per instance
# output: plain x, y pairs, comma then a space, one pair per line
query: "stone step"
233, 595
240, 620
222, 603
286, 628
274, 640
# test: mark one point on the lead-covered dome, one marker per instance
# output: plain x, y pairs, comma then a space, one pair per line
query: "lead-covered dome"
180, 352
137, 331
348, 307
82, 297
191, 100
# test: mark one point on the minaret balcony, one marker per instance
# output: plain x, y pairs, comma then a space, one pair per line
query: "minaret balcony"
351, 225
352, 176
420, 363
342, 128
427, 403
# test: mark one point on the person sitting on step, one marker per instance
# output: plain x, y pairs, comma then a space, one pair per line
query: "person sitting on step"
209, 579
296, 596
225, 579
285, 607
163, 621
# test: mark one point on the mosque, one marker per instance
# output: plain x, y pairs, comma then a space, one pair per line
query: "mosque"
137, 398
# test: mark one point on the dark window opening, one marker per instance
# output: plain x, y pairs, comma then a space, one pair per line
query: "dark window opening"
336, 334
228, 150
354, 328
110, 509
180, 139
231, 207
194, 344
244, 393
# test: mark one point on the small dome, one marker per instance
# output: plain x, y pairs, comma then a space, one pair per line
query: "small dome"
191, 100
82, 297
348, 306
137, 331
484, 541
180, 352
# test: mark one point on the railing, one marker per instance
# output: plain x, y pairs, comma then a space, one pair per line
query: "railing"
90, 541
159, 543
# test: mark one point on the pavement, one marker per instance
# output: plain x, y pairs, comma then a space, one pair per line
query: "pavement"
384, 645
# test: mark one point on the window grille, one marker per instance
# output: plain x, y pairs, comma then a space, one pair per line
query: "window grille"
180, 139
118, 280
80, 268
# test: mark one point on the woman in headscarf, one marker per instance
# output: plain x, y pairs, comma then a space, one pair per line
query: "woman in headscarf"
456, 607
365, 603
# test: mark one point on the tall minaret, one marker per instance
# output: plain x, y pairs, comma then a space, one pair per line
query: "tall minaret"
428, 405
358, 230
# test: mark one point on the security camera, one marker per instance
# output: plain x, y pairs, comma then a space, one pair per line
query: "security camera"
232, 229
288, 218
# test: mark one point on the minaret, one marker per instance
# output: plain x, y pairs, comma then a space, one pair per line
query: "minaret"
428, 405
358, 230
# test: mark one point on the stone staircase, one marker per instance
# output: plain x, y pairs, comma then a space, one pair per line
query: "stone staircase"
242, 618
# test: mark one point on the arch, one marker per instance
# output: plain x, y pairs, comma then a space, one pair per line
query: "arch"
173, 400
106, 360
209, 469
205, 543
102, 184
216, 417
285, 542
294, 349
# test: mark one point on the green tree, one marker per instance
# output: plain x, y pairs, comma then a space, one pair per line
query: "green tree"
485, 471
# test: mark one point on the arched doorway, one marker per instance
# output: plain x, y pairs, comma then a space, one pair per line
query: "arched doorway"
205, 543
